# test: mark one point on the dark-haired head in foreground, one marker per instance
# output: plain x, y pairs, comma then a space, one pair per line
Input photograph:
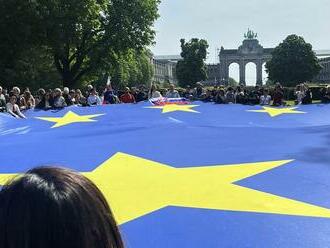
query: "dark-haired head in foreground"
55, 208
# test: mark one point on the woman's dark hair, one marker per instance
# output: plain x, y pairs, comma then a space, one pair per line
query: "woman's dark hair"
55, 208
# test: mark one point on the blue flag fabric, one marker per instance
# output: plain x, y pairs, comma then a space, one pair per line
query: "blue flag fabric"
199, 175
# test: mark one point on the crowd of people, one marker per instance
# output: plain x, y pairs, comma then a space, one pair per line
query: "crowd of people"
16, 102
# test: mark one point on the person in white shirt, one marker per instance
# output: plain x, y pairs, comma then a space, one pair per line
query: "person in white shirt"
265, 99
300, 94
59, 101
154, 93
13, 109
172, 93
2, 97
93, 99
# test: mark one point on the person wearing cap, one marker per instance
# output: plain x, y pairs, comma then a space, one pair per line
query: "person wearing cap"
127, 97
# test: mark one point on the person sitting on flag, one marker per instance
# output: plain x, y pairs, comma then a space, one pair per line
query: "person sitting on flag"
72, 98
141, 94
13, 109
308, 99
2, 101
93, 98
188, 93
30, 102
153, 92
278, 96
127, 97
67, 96
254, 95
198, 92
109, 95
230, 96
2, 96
265, 99
220, 97
88, 90
172, 92
46, 102
326, 94
20, 101
240, 95
53, 208
79, 98
300, 94
59, 101
207, 96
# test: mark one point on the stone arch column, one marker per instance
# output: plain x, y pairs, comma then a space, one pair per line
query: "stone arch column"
224, 72
242, 78
259, 72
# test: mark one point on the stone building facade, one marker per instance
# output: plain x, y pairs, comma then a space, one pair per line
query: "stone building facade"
165, 68
324, 75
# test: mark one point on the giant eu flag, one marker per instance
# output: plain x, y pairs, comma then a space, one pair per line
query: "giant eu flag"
198, 175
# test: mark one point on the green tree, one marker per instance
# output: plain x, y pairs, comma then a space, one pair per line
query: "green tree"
83, 37
232, 82
192, 68
133, 68
293, 62
34, 68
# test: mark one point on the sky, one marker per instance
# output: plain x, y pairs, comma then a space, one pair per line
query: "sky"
224, 22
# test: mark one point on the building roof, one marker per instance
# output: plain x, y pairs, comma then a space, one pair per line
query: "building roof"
168, 57
322, 53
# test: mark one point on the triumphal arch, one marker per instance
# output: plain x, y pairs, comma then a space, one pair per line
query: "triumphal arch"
249, 51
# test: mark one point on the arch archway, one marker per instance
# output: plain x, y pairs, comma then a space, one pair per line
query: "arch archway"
251, 74
234, 71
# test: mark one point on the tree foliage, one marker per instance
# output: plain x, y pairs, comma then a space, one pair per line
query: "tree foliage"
232, 82
133, 68
293, 62
192, 68
82, 37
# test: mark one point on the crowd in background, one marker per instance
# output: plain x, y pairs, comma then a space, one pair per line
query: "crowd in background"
16, 102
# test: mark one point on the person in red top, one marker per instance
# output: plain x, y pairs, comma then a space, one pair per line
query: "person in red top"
127, 97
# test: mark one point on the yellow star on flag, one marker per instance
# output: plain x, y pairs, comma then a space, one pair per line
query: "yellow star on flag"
176, 107
273, 112
69, 118
135, 187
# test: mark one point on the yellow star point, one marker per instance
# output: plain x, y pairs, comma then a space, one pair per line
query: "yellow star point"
273, 112
168, 108
69, 118
136, 187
